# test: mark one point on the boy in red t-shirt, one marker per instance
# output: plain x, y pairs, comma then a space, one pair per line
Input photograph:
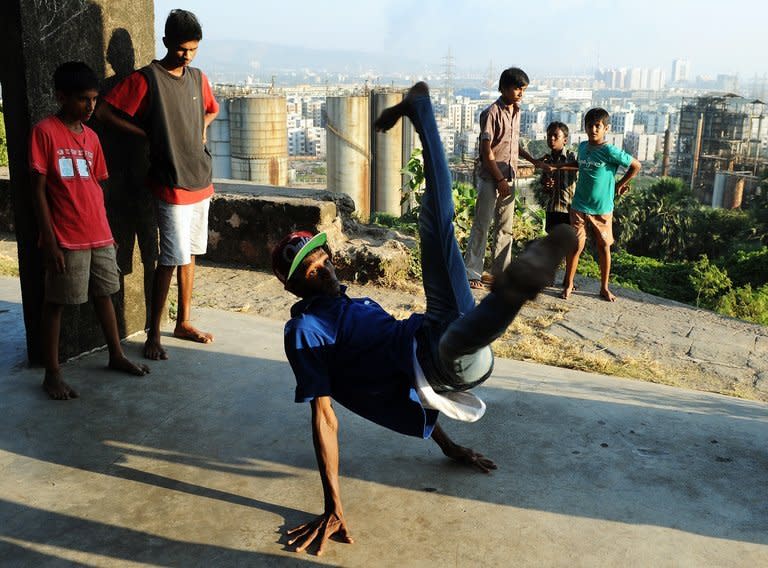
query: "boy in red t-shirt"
170, 104
66, 166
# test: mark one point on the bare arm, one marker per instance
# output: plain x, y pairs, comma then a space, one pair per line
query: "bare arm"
54, 257
536, 163
105, 112
489, 161
325, 437
207, 120
459, 453
632, 171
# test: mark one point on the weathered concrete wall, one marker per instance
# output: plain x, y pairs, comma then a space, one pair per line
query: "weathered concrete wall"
36, 37
246, 221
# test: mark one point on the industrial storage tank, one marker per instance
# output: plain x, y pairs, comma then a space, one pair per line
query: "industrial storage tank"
387, 158
259, 139
218, 143
348, 150
728, 189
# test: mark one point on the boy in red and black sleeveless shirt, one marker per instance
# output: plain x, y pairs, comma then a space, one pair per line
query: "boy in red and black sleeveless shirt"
67, 164
171, 104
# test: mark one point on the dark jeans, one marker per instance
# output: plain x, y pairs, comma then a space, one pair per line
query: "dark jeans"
453, 344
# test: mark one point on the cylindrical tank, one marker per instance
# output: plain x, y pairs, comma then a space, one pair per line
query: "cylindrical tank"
348, 150
259, 139
718, 189
734, 193
218, 143
387, 158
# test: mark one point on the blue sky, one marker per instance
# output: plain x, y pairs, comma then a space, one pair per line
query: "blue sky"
546, 37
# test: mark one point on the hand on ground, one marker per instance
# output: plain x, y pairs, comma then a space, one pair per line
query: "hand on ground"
470, 457
319, 530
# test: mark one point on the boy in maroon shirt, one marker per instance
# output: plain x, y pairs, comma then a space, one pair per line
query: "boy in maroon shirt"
67, 164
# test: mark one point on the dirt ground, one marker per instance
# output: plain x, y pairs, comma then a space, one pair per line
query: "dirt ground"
639, 336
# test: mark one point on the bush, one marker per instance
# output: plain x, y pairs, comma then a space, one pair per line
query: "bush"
746, 303
3, 141
747, 267
708, 281
666, 279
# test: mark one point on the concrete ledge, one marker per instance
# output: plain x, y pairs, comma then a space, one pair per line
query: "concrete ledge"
247, 220
245, 228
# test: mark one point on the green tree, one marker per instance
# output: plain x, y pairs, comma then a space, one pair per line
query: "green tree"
656, 221
3, 140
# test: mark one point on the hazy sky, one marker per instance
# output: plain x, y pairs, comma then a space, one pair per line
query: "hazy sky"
545, 36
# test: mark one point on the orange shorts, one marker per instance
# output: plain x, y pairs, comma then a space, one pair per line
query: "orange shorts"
602, 227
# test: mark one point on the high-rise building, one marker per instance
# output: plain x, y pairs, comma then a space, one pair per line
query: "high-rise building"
681, 71
656, 79
635, 79
727, 83
622, 121
641, 146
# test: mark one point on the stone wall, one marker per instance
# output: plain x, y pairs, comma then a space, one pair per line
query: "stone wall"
247, 220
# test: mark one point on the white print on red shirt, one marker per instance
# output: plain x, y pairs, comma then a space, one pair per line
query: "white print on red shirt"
82, 158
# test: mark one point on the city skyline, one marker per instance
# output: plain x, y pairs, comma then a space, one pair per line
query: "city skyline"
557, 37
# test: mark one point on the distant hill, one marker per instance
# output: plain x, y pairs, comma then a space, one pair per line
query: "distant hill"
224, 59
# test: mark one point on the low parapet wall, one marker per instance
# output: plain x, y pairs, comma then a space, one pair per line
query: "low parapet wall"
246, 220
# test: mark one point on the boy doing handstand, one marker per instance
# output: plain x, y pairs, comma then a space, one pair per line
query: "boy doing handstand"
400, 374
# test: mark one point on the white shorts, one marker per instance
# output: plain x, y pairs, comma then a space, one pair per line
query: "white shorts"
183, 231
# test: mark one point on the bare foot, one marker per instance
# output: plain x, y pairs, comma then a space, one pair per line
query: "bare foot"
565, 284
125, 365
56, 388
566, 293
389, 116
186, 331
606, 295
153, 350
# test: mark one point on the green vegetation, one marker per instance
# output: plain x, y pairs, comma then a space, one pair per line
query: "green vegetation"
3, 141
667, 244
672, 246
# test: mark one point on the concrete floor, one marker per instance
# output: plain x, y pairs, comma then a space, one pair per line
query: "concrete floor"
203, 462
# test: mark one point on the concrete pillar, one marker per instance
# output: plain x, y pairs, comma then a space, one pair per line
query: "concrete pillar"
35, 37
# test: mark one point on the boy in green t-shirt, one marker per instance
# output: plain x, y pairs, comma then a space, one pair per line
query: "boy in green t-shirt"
592, 203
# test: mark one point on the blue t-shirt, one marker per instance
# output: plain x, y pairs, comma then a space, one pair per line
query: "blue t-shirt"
596, 185
361, 356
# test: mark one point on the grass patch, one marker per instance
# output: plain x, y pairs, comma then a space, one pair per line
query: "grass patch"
527, 339
8, 266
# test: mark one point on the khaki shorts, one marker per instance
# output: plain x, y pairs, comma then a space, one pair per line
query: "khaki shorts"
88, 271
602, 227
